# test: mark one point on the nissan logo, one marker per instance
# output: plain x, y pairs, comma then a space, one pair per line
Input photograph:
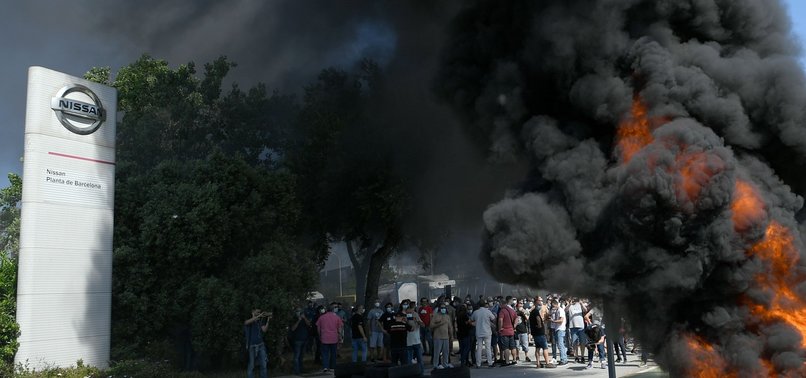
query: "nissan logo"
80, 117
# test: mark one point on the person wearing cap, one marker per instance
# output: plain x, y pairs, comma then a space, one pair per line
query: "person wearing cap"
254, 328
398, 330
484, 321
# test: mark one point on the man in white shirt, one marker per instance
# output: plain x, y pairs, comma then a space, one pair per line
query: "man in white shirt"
558, 329
483, 320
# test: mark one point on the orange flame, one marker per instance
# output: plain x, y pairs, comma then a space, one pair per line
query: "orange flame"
747, 206
706, 361
778, 251
695, 169
634, 132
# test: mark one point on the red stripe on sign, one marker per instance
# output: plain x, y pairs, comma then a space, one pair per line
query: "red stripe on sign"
81, 158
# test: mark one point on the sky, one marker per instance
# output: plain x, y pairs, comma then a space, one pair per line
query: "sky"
72, 40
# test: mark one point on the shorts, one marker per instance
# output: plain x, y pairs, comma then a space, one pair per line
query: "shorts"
387, 341
376, 340
578, 336
540, 342
507, 342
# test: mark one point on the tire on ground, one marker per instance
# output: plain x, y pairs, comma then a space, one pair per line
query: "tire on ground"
377, 371
348, 370
405, 371
455, 372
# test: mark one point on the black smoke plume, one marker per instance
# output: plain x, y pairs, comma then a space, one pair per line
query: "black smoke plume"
659, 232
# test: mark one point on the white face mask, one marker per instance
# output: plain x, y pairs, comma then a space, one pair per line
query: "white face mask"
322, 311
377, 304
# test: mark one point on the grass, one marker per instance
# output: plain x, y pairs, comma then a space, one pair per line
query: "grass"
278, 366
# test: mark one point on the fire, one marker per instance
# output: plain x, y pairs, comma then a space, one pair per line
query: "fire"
634, 132
706, 362
747, 206
777, 250
695, 169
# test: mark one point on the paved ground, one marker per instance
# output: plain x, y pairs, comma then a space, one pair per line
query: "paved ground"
630, 369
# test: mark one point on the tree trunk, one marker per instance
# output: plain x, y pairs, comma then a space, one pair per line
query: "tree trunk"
360, 268
376, 262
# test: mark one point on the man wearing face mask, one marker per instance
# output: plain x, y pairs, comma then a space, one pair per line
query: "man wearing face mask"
375, 331
558, 323
425, 312
320, 310
413, 342
538, 327
359, 339
330, 328
441, 329
506, 331
483, 320
386, 320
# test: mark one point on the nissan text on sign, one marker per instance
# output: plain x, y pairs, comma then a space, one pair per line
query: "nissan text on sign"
65, 263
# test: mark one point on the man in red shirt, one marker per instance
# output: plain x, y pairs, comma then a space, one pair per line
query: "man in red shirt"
329, 325
425, 312
506, 331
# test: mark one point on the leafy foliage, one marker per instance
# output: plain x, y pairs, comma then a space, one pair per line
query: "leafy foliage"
206, 221
9, 248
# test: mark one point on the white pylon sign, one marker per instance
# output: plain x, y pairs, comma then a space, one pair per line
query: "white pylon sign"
64, 284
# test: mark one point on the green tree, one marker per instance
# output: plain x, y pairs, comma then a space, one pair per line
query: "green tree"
206, 219
346, 160
9, 249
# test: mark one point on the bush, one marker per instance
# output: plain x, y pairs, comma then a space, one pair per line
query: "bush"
9, 329
78, 371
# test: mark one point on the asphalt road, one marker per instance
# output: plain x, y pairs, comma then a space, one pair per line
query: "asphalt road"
630, 369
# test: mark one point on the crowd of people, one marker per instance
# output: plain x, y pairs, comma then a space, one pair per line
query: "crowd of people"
491, 332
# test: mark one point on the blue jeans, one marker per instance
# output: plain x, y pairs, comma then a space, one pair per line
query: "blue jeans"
257, 352
600, 349
329, 356
299, 347
577, 337
559, 342
416, 351
359, 343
